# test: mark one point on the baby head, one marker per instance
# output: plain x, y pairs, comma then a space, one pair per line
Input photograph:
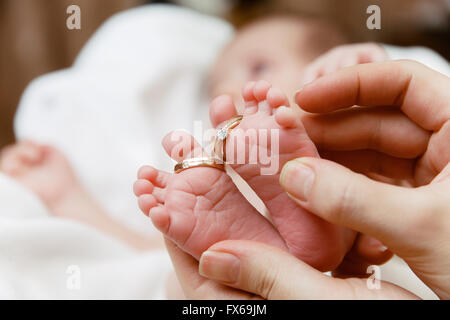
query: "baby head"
275, 49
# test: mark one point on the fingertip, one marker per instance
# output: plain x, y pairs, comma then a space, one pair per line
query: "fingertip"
297, 96
372, 250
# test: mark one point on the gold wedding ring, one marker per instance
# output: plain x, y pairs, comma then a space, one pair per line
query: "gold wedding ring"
199, 162
218, 161
222, 134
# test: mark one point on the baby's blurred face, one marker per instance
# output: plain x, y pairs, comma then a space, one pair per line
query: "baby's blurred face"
275, 50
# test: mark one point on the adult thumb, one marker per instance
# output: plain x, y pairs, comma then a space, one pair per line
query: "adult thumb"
341, 196
272, 273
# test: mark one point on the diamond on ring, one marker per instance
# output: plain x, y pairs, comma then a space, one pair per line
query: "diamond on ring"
222, 134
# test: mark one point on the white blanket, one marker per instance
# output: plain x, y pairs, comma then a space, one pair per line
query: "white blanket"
50, 258
141, 75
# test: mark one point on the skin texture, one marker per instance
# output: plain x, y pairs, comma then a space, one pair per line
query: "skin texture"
412, 222
247, 58
303, 233
201, 206
288, 62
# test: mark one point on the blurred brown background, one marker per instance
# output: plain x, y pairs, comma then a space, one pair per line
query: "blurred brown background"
34, 39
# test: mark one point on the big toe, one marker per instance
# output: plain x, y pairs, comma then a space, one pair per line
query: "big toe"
222, 108
180, 145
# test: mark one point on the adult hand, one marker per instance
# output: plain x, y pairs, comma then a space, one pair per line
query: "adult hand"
243, 269
413, 223
402, 132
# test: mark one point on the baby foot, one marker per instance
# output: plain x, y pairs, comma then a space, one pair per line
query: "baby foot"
267, 110
199, 206
42, 169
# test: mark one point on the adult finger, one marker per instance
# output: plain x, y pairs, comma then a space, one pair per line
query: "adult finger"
341, 196
421, 93
194, 285
369, 161
365, 252
383, 129
275, 274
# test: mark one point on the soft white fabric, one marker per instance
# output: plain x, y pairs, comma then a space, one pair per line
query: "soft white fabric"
140, 76
47, 258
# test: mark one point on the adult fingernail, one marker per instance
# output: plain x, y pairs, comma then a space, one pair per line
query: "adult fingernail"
297, 179
297, 92
377, 244
220, 266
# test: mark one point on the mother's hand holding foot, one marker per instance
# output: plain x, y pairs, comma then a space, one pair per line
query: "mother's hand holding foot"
407, 129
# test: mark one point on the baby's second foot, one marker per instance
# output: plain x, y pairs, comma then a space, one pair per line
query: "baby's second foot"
42, 169
199, 206
271, 130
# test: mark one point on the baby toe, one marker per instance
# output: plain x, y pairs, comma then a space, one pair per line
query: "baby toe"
247, 91
251, 104
276, 98
159, 194
146, 202
222, 108
146, 172
286, 117
160, 218
142, 186
260, 90
180, 145
156, 177
161, 179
